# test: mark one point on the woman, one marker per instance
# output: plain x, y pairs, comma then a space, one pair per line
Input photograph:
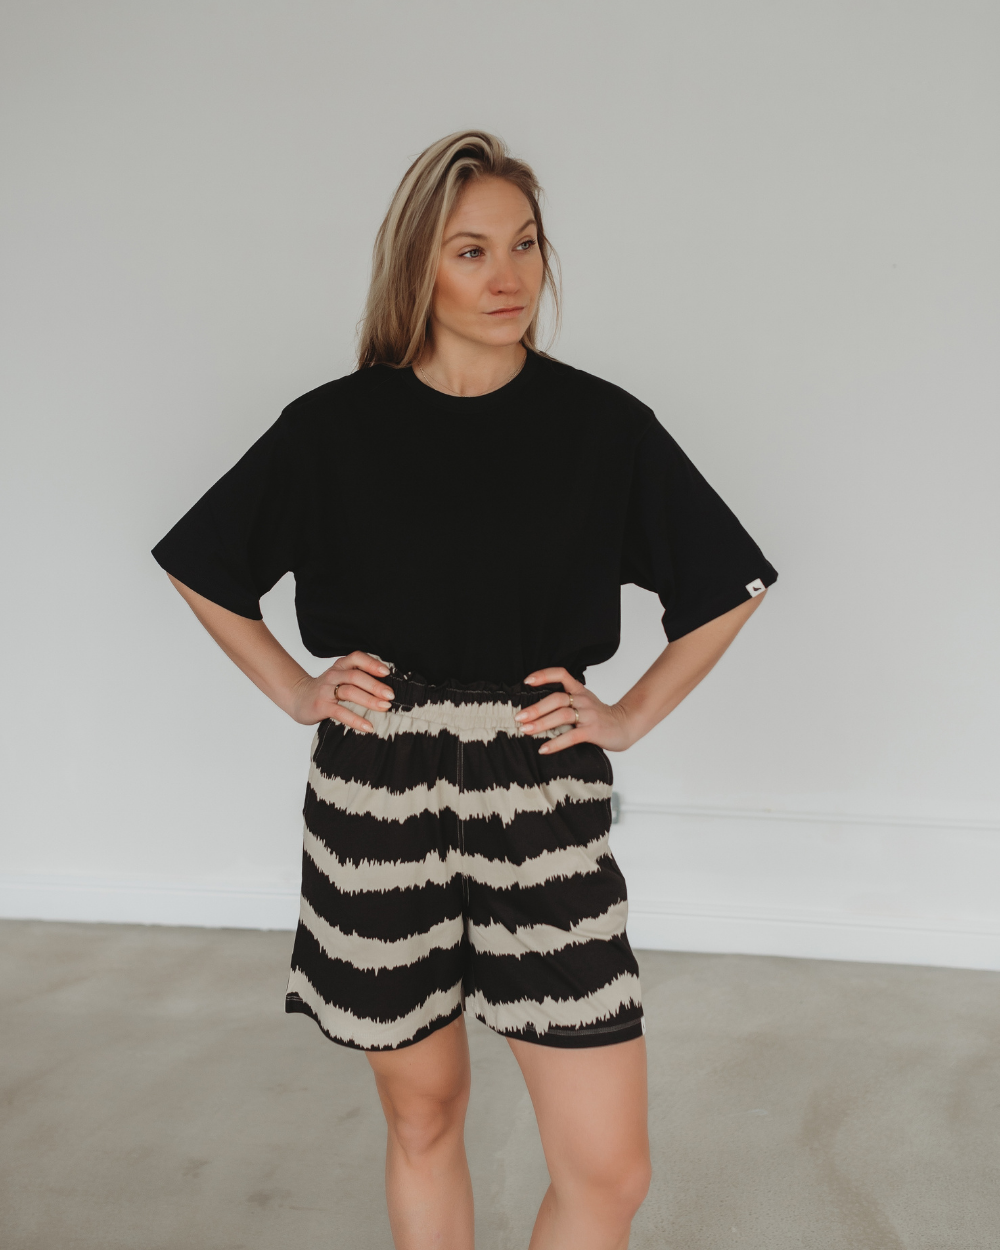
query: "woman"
460, 514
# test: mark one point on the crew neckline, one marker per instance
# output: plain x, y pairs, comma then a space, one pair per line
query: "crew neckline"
472, 403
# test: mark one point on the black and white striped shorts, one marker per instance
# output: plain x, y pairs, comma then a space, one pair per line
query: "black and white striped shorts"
447, 864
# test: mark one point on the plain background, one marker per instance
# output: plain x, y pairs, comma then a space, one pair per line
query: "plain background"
777, 225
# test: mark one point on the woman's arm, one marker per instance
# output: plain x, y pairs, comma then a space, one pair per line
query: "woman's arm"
254, 649
670, 679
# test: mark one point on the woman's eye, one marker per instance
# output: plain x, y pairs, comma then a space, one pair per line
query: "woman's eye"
470, 250
526, 244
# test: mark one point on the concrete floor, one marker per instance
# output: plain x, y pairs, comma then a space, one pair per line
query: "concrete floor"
156, 1097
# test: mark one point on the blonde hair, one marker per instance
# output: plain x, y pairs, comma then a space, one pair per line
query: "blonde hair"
393, 329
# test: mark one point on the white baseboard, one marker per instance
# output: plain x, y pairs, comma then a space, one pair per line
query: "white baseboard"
814, 885
801, 884
652, 924
111, 901
661, 926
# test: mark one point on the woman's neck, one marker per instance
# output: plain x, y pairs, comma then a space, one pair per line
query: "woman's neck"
468, 369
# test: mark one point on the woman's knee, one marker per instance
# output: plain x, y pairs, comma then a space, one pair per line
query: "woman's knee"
634, 1185
419, 1123
424, 1089
615, 1187
424, 1108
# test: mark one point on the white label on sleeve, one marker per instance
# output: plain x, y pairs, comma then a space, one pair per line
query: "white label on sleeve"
756, 587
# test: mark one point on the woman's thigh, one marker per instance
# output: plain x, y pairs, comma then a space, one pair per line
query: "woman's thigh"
591, 1106
426, 1083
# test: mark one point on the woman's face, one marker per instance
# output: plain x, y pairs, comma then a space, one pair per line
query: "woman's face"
490, 271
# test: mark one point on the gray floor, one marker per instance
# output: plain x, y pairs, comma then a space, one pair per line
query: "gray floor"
156, 1097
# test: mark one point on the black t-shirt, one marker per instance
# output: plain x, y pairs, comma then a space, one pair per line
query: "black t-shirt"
467, 537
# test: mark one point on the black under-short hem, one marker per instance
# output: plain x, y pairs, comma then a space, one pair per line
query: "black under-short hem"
580, 1039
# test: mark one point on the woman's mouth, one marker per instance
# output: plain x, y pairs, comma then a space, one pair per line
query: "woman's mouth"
507, 312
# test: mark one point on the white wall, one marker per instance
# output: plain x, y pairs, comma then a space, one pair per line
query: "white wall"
777, 223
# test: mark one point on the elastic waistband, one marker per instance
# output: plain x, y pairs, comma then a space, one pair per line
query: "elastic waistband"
413, 692
474, 711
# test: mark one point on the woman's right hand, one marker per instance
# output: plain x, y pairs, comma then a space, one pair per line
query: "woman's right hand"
355, 677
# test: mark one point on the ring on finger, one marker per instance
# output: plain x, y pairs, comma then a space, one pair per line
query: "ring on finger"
576, 713
571, 703
335, 689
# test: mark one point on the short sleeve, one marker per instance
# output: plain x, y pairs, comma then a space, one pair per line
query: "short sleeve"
246, 531
683, 542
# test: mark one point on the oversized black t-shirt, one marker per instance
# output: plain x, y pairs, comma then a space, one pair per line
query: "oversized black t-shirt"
472, 538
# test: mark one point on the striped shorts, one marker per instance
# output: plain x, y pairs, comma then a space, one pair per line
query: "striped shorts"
447, 864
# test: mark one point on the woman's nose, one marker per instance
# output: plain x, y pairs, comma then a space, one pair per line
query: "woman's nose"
504, 278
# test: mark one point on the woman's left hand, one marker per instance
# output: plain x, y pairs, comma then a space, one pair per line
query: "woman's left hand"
604, 724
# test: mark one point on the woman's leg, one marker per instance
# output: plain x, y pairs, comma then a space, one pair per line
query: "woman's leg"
424, 1090
591, 1109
